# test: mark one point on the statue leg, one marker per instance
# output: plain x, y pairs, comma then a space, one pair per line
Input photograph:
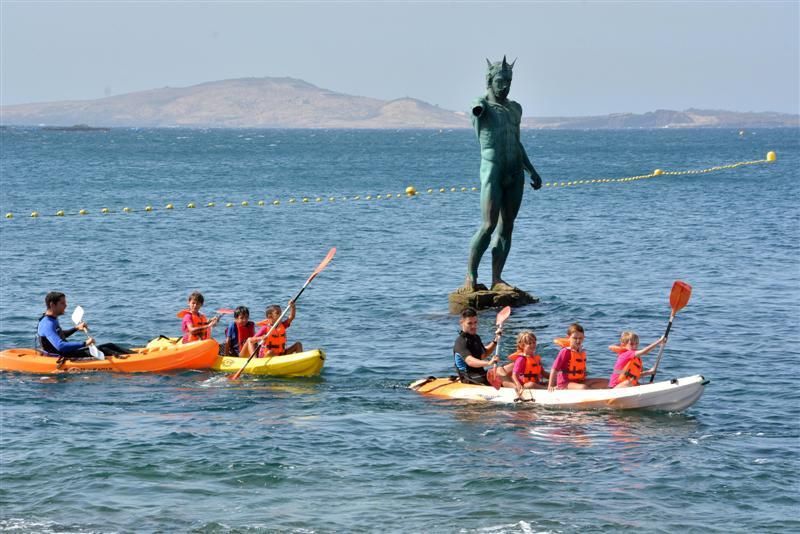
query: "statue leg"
490, 210
509, 207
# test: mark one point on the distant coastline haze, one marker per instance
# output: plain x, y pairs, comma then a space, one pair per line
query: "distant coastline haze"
574, 59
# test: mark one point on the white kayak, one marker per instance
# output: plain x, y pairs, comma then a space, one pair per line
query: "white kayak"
670, 395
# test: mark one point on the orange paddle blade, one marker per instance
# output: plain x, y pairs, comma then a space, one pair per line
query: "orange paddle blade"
181, 313
493, 379
502, 315
679, 297
617, 349
323, 264
224, 311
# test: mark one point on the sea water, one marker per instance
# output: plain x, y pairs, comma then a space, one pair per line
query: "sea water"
354, 450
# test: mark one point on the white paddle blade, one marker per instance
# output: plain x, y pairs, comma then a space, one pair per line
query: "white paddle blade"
77, 315
96, 353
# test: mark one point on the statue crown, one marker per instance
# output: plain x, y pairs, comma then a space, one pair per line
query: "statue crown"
493, 69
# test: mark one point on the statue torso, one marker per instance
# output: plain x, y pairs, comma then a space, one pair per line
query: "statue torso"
498, 131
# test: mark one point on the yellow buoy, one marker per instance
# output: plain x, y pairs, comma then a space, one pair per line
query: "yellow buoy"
291, 200
442, 189
771, 156
9, 215
104, 210
410, 191
245, 203
260, 202
169, 206
229, 205
430, 190
305, 199
357, 197
211, 204
34, 214
276, 202
190, 205
368, 197
83, 212
474, 188
331, 199
319, 199
60, 213
126, 210
148, 208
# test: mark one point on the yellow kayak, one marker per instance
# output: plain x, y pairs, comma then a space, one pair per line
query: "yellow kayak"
307, 363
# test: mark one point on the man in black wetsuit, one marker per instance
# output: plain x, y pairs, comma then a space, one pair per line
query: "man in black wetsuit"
470, 353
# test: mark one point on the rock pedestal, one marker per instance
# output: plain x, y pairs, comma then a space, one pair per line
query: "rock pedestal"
483, 299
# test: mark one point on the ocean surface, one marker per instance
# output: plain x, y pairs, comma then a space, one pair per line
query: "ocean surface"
354, 450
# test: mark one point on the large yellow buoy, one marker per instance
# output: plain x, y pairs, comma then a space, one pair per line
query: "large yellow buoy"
658, 172
60, 213
411, 191
82, 212
9, 215
771, 156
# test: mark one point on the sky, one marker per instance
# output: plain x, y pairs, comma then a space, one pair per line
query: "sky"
573, 58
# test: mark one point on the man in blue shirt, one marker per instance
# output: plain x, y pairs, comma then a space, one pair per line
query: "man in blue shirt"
52, 338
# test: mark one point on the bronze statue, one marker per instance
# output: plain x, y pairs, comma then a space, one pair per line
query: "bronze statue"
503, 160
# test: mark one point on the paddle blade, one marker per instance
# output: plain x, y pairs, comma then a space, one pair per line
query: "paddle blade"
493, 379
322, 265
679, 296
77, 315
96, 353
181, 313
502, 315
225, 311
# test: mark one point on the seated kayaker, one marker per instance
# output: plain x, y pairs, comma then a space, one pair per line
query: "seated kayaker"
275, 343
472, 357
628, 368
528, 371
569, 367
194, 324
52, 338
238, 332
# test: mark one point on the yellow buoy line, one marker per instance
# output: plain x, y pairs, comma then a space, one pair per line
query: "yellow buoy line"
410, 192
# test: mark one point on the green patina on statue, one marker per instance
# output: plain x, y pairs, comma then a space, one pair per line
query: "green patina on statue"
503, 161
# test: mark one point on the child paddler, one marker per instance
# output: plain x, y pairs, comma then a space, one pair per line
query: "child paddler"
569, 367
195, 325
628, 367
237, 333
275, 343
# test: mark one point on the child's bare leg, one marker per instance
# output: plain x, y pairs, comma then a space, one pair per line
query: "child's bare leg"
577, 385
623, 384
596, 383
248, 348
294, 348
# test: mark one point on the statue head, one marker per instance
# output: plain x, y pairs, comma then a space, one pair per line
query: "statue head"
498, 77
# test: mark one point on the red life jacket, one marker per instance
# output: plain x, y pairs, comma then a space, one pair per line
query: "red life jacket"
533, 367
243, 332
632, 371
576, 368
198, 319
276, 342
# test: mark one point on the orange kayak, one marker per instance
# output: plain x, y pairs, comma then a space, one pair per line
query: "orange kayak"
195, 355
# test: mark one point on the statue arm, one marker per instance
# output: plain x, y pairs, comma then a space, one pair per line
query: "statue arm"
536, 180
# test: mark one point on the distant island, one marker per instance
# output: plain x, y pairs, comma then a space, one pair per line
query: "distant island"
293, 103
76, 128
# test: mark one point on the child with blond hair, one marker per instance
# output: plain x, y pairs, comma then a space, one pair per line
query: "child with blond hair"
628, 368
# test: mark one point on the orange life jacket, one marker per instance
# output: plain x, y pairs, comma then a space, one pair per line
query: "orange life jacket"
276, 342
198, 319
533, 367
632, 371
576, 368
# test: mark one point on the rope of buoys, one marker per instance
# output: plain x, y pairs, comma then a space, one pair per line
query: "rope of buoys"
411, 191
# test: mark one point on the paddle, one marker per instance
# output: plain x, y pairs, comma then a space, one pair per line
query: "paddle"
491, 374
678, 298
77, 318
257, 348
222, 311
